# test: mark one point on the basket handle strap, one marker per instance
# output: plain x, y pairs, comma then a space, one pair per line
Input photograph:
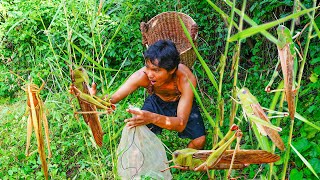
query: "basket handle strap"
144, 29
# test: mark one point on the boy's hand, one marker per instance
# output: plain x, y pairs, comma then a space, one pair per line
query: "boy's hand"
140, 117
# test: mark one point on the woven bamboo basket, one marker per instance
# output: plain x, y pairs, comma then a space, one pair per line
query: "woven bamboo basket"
167, 26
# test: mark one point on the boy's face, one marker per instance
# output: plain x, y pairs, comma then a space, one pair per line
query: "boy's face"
157, 75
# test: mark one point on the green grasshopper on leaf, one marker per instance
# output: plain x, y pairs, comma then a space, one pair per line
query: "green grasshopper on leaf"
219, 157
89, 103
289, 63
192, 159
81, 88
255, 113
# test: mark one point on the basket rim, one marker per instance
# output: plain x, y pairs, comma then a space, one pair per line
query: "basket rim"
171, 12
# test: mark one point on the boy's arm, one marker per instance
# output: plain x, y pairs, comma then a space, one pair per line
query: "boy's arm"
135, 81
171, 123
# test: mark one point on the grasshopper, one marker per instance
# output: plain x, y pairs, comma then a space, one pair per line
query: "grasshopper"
255, 113
219, 157
89, 103
288, 61
35, 119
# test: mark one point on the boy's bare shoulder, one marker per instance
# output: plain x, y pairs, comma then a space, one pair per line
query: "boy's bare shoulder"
140, 77
184, 72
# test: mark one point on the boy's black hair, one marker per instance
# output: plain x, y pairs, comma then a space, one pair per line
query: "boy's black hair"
165, 52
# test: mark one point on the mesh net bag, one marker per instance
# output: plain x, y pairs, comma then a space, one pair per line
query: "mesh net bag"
141, 155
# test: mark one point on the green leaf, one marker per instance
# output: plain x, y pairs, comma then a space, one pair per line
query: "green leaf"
262, 177
10, 172
305, 161
317, 69
315, 60
309, 131
302, 144
315, 152
89, 41
280, 161
21, 156
316, 28
295, 174
314, 77
315, 162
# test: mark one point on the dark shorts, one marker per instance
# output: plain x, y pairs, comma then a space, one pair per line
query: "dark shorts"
195, 127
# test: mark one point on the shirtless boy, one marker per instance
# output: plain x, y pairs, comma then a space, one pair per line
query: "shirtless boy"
170, 104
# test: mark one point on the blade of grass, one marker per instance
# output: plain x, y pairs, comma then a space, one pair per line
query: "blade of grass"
222, 64
295, 8
224, 15
252, 23
85, 55
254, 30
236, 58
105, 69
121, 24
116, 32
312, 19
81, 36
203, 63
301, 118
304, 161
112, 80
211, 121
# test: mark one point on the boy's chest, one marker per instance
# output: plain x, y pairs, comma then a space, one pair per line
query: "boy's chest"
169, 92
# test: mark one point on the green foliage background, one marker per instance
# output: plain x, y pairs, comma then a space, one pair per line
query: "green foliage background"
34, 40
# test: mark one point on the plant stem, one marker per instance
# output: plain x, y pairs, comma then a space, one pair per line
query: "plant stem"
287, 155
236, 66
221, 72
305, 53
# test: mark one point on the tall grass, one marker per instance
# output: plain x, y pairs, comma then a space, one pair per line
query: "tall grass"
242, 35
95, 63
75, 154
